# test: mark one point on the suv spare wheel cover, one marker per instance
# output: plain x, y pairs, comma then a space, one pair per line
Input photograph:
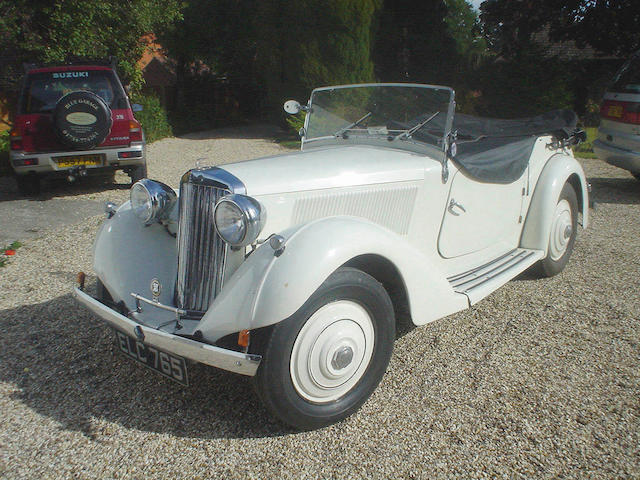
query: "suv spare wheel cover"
82, 119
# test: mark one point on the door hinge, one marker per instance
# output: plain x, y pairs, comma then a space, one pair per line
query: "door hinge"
520, 219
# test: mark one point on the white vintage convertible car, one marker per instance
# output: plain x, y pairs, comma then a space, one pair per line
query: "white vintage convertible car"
291, 268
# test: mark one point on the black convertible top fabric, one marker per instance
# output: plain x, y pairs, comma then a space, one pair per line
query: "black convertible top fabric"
498, 151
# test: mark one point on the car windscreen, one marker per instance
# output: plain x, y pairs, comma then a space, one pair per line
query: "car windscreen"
381, 111
627, 80
43, 90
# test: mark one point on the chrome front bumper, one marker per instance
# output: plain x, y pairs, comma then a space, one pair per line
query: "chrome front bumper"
237, 362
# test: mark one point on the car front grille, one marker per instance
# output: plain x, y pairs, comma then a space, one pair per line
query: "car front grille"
201, 252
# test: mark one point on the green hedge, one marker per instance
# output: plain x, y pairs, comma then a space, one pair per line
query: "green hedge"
153, 117
5, 168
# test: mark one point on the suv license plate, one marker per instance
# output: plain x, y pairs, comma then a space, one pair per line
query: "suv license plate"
78, 160
615, 111
164, 363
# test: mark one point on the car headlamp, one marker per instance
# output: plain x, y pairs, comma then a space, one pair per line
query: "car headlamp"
151, 201
239, 219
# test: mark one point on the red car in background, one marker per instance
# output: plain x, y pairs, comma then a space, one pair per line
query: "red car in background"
74, 120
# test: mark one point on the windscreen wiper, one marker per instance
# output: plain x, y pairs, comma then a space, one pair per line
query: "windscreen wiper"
415, 128
354, 124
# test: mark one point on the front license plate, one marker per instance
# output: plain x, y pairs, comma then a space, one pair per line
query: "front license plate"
164, 363
79, 160
615, 111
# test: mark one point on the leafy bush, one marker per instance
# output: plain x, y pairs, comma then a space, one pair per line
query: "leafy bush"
5, 168
528, 84
585, 149
153, 117
295, 122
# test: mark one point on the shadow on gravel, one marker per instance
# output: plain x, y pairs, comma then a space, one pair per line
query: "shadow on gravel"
623, 191
65, 366
248, 132
60, 188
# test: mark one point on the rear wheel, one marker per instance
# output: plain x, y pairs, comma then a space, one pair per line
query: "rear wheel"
563, 233
322, 363
28, 185
138, 173
636, 174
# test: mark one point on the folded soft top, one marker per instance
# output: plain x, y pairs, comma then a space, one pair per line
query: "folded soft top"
498, 151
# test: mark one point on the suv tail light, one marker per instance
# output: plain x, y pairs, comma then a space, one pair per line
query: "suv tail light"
135, 131
625, 112
15, 140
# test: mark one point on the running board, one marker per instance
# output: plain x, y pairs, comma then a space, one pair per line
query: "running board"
480, 281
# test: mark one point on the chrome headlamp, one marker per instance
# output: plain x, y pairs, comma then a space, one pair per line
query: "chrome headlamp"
239, 219
151, 201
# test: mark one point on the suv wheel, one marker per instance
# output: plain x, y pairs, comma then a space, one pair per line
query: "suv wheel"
138, 173
28, 185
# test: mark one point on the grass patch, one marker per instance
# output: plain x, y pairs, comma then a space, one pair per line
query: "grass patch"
585, 149
292, 144
7, 252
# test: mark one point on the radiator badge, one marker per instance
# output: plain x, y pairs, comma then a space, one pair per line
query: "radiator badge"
156, 289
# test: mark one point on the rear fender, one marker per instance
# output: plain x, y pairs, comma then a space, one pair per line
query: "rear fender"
267, 289
559, 170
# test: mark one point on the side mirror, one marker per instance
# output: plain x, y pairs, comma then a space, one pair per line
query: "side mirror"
292, 107
136, 107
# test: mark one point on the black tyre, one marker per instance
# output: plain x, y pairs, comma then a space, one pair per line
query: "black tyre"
564, 229
636, 174
28, 185
138, 173
322, 363
82, 120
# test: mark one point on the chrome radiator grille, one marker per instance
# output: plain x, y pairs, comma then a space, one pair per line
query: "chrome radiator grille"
201, 251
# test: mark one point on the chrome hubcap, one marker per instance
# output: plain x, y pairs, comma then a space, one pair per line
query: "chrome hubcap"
332, 351
568, 231
342, 358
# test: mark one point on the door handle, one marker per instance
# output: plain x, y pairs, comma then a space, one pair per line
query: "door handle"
453, 204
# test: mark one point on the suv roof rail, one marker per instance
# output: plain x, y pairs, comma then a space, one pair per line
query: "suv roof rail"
110, 61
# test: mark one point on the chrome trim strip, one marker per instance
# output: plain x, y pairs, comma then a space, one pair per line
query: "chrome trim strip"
237, 362
202, 254
177, 311
214, 177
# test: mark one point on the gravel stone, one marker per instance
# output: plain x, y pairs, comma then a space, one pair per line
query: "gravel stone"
541, 379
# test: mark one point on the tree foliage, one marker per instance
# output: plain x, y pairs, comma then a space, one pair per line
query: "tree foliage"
50, 31
610, 26
268, 50
433, 41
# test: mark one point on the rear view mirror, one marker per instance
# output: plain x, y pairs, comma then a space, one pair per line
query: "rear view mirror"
292, 107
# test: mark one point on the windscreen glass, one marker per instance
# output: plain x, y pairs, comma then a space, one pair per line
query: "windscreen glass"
388, 113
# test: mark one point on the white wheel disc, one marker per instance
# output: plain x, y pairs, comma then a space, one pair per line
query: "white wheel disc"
561, 230
332, 351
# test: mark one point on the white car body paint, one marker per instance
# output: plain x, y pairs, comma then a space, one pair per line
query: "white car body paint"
302, 193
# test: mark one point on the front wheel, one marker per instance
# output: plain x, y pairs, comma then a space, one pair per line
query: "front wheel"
322, 363
563, 233
28, 185
138, 173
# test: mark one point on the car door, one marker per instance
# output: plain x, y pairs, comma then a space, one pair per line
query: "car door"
479, 215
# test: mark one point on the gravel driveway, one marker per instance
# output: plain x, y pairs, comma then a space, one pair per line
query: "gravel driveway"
541, 379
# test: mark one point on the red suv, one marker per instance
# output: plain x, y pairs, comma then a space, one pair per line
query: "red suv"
73, 120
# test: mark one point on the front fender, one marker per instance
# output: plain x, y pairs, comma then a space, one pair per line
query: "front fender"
267, 289
557, 171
